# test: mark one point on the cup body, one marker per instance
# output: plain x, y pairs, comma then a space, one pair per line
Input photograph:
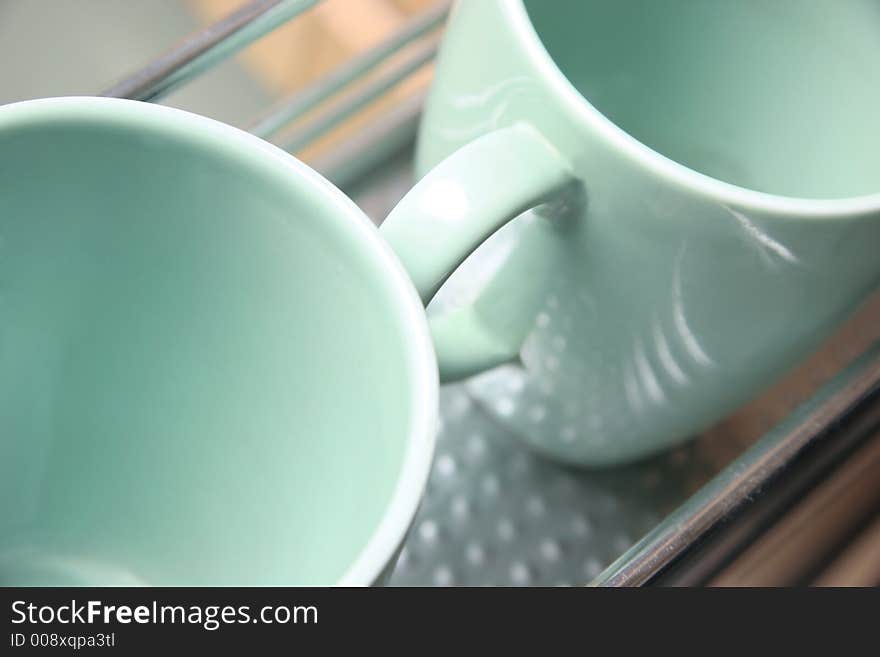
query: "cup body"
212, 369
668, 296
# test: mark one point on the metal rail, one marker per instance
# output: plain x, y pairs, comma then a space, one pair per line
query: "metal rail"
353, 102
206, 48
852, 393
298, 103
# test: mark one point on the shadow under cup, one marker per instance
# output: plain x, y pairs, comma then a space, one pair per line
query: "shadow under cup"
207, 374
780, 97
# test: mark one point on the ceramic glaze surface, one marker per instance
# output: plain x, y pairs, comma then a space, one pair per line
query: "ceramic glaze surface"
650, 299
210, 374
780, 96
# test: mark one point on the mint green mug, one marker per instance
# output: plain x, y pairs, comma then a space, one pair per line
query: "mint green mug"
707, 183
213, 371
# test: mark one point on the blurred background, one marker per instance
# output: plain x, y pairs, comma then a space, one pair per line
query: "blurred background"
80, 47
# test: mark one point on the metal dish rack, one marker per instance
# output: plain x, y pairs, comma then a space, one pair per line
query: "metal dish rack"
494, 513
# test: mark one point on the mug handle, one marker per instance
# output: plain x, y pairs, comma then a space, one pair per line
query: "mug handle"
451, 211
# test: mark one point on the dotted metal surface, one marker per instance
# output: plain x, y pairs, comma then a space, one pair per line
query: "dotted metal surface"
495, 513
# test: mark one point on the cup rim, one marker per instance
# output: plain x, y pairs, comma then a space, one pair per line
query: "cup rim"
381, 547
659, 164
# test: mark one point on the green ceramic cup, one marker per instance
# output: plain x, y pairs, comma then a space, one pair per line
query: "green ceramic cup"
721, 212
213, 371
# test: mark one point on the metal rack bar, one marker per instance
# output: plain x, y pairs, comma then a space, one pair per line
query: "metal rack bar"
851, 399
297, 104
304, 134
207, 47
809, 533
375, 144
